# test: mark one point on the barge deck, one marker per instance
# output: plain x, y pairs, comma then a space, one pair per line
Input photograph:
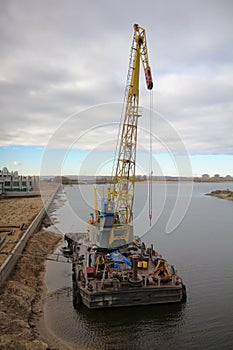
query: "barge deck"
130, 275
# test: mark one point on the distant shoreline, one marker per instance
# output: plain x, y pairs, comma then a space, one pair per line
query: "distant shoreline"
76, 182
223, 194
108, 180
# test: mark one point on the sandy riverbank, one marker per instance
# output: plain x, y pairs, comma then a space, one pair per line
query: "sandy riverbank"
16, 216
22, 297
15, 211
223, 194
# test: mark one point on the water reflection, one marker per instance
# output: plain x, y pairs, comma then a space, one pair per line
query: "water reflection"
121, 328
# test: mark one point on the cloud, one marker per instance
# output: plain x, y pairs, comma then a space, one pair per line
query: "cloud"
15, 163
60, 58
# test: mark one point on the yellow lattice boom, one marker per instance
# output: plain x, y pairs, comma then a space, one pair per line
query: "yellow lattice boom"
124, 179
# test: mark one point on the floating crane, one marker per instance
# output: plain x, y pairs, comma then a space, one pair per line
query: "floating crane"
111, 267
117, 211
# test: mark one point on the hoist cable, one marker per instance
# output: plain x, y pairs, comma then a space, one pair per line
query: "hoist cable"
150, 156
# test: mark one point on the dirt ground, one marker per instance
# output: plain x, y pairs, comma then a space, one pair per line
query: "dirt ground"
22, 297
16, 216
21, 301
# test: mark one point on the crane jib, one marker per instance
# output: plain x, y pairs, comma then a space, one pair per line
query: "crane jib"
124, 178
115, 217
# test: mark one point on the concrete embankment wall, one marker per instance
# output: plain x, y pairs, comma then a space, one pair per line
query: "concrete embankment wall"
12, 259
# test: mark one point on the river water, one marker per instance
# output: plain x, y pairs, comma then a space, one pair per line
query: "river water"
201, 248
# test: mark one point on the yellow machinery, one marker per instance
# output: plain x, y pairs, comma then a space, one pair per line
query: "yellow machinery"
122, 191
162, 270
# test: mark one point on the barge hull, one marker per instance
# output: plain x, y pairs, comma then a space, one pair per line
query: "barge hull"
134, 297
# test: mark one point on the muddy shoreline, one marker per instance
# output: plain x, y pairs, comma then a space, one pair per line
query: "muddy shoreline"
223, 194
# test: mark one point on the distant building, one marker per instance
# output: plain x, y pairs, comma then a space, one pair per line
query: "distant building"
13, 182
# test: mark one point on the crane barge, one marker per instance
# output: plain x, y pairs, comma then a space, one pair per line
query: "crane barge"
111, 266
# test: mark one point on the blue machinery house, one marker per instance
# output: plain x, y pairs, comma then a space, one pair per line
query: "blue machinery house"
13, 182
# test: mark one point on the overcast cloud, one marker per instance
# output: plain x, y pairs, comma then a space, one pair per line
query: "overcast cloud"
60, 57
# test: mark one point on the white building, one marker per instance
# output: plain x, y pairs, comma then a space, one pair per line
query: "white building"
13, 182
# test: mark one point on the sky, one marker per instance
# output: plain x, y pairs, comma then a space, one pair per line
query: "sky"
63, 69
